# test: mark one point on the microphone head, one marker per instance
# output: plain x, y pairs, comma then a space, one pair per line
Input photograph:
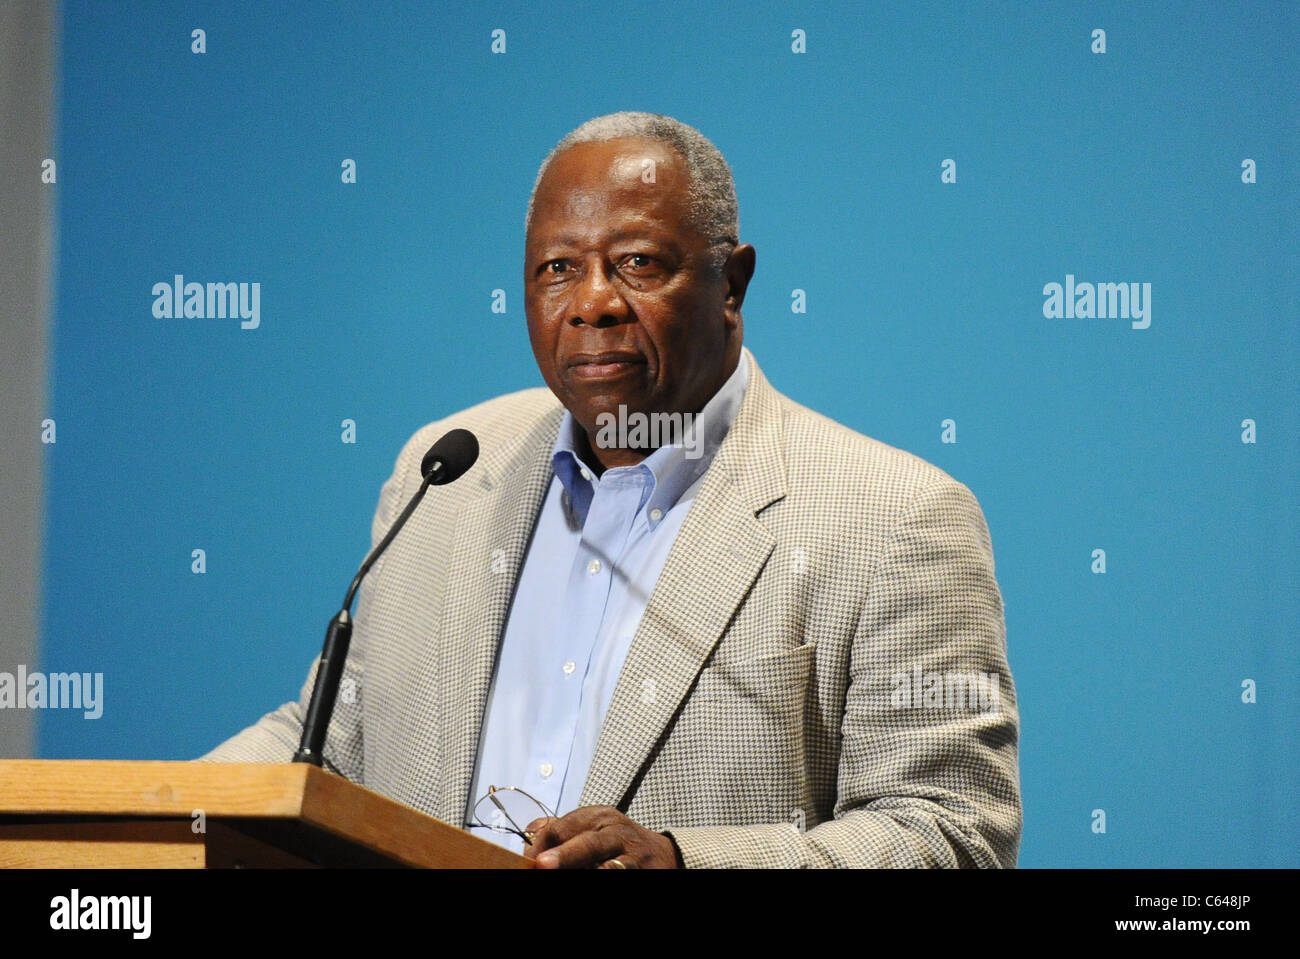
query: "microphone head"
450, 457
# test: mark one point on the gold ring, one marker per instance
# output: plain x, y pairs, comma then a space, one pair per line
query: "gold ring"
615, 864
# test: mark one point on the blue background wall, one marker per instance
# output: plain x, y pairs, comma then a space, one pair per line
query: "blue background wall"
924, 300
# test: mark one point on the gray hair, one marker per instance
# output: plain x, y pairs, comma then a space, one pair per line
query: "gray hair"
711, 190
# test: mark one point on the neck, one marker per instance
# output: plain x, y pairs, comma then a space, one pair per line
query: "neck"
605, 459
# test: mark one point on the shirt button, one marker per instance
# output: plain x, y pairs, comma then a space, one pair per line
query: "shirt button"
586, 474
656, 514
569, 667
545, 769
593, 567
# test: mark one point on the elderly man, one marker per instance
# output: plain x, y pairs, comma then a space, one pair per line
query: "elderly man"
752, 638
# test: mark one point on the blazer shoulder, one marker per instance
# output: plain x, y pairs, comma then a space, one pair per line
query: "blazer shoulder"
495, 422
816, 444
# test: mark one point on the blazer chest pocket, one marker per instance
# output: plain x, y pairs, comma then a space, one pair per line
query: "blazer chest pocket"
777, 679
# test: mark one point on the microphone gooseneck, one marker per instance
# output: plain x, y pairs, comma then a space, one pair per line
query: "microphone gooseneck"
447, 460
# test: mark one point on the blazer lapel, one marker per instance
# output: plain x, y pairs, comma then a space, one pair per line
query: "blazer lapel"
720, 550
490, 540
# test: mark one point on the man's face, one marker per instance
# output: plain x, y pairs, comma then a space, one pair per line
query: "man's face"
623, 305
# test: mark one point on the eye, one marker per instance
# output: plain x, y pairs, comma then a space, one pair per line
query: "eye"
555, 266
639, 261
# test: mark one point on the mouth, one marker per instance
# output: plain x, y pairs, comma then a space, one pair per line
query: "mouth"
599, 366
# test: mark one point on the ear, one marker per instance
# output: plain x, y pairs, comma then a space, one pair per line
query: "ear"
736, 273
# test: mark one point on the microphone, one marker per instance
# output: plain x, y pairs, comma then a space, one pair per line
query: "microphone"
450, 457
447, 460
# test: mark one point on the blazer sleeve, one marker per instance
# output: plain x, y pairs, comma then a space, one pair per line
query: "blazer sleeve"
275, 737
924, 779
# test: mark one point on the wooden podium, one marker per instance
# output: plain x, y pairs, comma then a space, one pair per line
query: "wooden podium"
100, 813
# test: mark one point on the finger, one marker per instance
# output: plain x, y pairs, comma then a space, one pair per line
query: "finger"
553, 831
584, 851
543, 836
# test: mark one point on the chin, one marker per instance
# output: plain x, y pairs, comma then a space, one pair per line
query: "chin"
600, 398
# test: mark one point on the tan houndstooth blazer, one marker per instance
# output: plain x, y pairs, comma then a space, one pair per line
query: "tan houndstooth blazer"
789, 698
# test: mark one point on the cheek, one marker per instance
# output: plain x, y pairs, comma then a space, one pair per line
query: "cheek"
542, 327
688, 331
542, 339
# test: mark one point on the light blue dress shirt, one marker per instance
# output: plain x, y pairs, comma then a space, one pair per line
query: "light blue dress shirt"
596, 553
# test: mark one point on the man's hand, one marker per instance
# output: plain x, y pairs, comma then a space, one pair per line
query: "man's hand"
595, 837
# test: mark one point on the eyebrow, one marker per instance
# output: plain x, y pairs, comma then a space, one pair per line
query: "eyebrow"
569, 239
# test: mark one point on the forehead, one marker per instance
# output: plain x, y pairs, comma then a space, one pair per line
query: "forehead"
609, 183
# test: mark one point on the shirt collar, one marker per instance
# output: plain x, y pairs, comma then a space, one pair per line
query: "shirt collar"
671, 469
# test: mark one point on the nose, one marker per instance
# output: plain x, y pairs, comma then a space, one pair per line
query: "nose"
597, 300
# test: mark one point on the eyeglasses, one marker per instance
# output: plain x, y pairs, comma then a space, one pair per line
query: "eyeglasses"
507, 809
